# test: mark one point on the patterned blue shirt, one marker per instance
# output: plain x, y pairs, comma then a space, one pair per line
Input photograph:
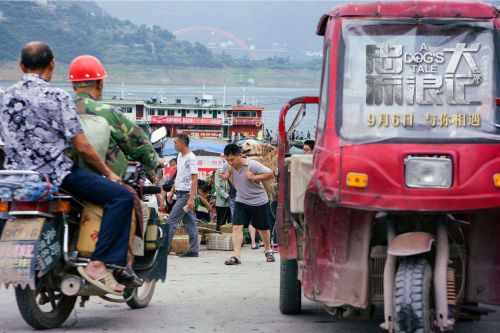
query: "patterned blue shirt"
37, 123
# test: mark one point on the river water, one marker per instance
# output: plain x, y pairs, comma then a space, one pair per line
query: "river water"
271, 98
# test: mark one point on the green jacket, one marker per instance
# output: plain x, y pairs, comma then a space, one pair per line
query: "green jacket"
222, 190
127, 139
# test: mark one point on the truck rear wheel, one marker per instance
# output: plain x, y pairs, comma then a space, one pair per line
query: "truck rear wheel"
290, 289
412, 302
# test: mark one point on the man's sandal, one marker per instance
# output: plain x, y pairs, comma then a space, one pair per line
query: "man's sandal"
270, 257
232, 261
106, 282
128, 277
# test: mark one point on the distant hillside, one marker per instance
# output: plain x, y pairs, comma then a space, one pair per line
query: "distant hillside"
290, 24
75, 28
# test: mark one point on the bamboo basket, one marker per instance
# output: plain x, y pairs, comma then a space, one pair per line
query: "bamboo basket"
180, 231
226, 229
180, 244
202, 226
205, 228
211, 226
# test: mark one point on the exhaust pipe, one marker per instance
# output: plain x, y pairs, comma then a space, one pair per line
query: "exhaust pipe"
74, 285
71, 285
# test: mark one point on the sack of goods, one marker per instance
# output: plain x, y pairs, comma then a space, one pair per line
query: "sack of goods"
24, 187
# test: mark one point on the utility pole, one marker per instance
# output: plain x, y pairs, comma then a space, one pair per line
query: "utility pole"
224, 98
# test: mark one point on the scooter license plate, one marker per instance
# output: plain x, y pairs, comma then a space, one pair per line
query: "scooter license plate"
22, 229
18, 250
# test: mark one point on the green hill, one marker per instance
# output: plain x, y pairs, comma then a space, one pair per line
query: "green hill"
75, 28
142, 54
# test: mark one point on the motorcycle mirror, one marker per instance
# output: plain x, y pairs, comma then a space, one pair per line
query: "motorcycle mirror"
158, 134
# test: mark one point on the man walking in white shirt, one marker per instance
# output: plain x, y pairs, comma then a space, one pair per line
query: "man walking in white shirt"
184, 188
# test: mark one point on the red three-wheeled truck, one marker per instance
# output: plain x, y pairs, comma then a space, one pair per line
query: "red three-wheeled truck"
400, 202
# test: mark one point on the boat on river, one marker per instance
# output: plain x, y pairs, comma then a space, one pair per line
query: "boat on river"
202, 119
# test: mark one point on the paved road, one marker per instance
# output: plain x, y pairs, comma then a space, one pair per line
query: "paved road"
203, 295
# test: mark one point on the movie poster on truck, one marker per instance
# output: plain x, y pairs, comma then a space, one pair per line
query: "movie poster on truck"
417, 81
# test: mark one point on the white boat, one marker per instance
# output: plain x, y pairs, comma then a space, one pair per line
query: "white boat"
203, 119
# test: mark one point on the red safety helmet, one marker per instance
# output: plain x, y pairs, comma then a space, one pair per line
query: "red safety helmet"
86, 68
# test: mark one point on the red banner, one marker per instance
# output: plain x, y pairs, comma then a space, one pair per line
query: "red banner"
172, 120
201, 134
252, 121
202, 172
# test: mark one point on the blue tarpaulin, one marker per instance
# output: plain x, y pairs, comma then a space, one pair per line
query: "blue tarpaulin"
210, 146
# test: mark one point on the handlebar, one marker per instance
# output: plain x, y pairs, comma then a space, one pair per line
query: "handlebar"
151, 190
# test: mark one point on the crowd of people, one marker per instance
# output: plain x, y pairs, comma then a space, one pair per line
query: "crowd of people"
233, 194
228, 195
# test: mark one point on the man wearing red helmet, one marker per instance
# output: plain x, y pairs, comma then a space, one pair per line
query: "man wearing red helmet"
127, 141
86, 74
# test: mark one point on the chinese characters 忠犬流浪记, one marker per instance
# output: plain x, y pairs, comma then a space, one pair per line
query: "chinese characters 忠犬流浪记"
387, 84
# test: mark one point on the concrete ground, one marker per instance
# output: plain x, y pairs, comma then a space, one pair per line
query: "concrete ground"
203, 295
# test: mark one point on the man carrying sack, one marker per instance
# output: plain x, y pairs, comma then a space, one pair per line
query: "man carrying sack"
252, 202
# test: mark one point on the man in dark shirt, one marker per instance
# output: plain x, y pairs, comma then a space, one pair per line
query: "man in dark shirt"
38, 123
308, 147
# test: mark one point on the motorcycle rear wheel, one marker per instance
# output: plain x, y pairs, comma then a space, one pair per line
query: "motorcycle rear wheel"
52, 314
141, 296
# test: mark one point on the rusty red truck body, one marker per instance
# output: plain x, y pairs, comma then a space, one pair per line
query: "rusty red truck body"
405, 177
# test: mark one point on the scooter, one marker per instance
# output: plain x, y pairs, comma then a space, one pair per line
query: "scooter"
44, 238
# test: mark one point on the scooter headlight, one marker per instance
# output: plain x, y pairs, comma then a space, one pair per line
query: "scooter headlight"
428, 172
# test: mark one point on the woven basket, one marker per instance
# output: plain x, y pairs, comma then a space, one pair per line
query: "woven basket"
205, 228
223, 242
181, 231
202, 225
180, 243
227, 229
211, 226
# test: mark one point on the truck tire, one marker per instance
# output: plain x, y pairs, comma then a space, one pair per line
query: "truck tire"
412, 302
41, 319
290, 289
141, 296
